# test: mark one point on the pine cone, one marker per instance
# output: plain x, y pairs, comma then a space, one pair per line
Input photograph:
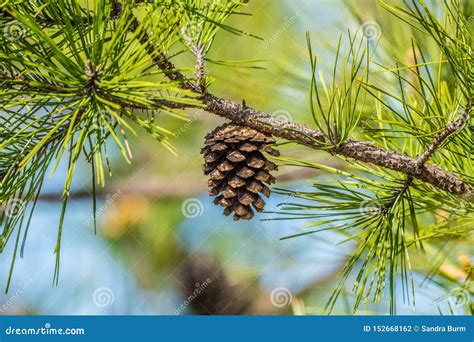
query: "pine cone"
237, 168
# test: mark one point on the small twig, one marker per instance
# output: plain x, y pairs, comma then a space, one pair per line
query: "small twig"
362, 151
199, 52
435, 144
446, 132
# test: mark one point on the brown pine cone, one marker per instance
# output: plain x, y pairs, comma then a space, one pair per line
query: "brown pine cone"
238, 169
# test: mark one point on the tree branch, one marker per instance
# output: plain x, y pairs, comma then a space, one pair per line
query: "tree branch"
361, 151
446, 132
435, 143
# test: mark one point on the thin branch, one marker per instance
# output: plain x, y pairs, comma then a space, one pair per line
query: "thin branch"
361, 151
200, 75
446, 132
452, 127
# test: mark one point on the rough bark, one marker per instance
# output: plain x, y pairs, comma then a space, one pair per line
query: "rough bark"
361, 151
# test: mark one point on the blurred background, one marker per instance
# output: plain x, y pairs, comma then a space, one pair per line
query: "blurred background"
162, 247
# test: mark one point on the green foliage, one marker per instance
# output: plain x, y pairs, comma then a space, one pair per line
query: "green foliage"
76, 76
343, 107
79, 75
391, 217
388, 220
